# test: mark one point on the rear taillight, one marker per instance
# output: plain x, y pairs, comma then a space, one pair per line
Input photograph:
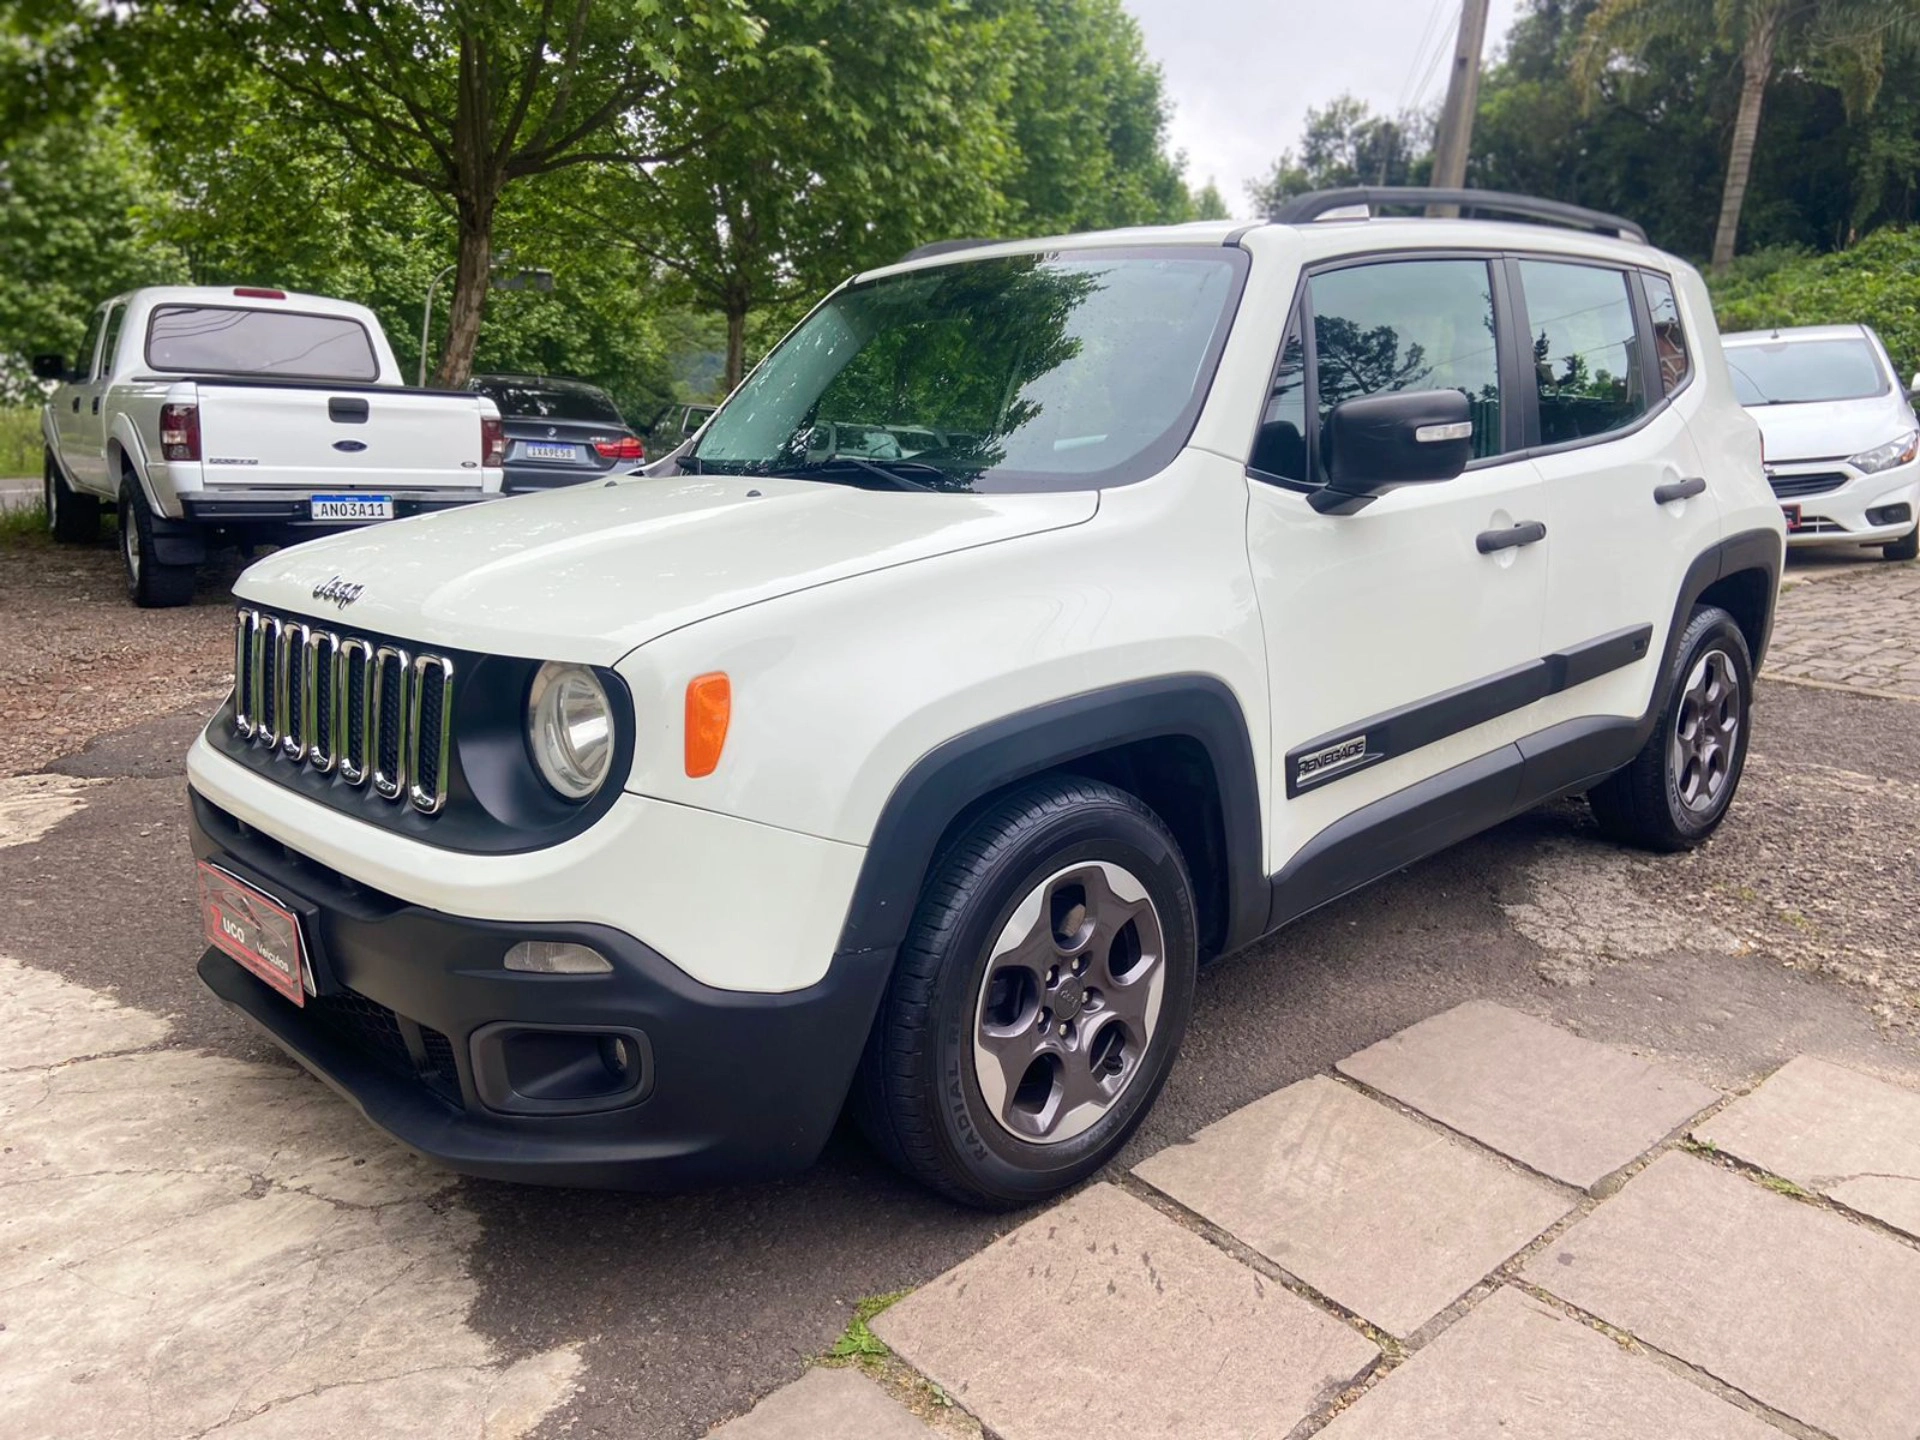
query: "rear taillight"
254, 292
180, 432
493, 440
627, 448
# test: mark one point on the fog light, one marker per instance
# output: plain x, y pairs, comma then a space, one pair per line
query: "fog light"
557, 957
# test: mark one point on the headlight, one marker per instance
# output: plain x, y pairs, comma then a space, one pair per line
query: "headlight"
1885, 457
570, 729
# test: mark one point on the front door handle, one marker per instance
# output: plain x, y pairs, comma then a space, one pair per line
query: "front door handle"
96, 404
76, 404
1527, 532
1679, 490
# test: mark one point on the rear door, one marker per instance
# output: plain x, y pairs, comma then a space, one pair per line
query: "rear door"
1397, 647
1627, 502
82, 434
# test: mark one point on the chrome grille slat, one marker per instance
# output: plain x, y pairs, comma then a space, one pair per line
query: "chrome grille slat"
369, 710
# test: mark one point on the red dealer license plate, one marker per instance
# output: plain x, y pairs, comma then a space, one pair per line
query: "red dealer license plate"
261, 934
1792, 512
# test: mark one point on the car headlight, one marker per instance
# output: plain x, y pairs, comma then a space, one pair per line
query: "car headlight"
570, 729
1885, 457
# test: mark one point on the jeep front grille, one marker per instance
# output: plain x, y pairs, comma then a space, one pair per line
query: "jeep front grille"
373, 711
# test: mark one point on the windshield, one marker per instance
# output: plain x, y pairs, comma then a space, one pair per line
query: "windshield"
1800, 372
1035, 372
221, 340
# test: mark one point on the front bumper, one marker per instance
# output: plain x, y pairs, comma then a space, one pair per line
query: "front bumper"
1860, 510
415, 1003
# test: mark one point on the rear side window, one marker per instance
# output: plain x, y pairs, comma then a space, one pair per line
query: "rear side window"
1585, 352
1669, 336
221, 340
104, 366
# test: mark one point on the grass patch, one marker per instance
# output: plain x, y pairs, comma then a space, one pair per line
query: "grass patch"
20, 443
24, 524
1785, 1187
858, 1341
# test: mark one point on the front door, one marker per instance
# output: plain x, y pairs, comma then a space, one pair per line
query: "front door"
1393, 633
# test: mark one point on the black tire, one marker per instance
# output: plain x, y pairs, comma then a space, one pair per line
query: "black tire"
150, 585
1907, 547
919, 1095
1668, 798
72, 518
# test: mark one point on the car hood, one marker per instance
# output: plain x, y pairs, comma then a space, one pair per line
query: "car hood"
591, 572
1831, 429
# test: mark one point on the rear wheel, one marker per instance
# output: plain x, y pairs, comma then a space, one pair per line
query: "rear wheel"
1677, 790
151, 584
72, 518
1907, 547
1038, 1002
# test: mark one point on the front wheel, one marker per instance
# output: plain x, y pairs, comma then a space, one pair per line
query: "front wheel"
1677, 790
72, 518
1907, 547
1036, 1007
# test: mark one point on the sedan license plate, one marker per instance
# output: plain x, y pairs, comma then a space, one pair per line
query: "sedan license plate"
351, 507
262, 934
529, 450
1792, 512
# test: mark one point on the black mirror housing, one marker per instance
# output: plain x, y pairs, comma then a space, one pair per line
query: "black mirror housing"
50, 367
1377, 443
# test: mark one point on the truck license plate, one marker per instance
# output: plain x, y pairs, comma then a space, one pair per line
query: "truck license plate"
351, 507
549, 452
261, 934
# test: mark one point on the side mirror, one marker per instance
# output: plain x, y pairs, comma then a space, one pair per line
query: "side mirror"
1378, 443
50, 367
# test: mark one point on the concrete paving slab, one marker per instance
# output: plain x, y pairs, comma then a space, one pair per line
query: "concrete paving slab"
826, 1404
1104, 1316
1393, 1220
1796, 1306
1568, 1107
1832, 1130
1518, 1367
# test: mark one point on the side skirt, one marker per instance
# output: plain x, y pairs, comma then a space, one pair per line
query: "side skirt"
1409, 825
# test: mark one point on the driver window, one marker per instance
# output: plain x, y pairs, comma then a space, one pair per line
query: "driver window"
1409, 325
104, 364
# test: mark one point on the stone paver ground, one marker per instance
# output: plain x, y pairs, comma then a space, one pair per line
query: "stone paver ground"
826, 1404
1832, 1130
1697, 1298
1852, 626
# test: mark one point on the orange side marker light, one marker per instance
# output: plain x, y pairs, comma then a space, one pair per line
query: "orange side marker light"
709, 709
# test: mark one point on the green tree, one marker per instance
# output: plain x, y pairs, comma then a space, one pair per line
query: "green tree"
459, 99
1845, 41
1347, 144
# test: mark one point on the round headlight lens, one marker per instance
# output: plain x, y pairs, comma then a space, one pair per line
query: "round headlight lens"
570, 728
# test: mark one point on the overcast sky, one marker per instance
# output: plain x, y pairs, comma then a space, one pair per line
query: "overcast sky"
1242, 73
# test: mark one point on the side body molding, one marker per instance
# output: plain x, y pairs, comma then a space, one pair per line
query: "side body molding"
952, 777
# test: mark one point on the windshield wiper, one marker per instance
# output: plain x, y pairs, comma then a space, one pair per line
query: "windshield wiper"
898, 473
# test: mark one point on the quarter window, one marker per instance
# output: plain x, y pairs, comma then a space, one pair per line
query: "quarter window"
1585, 352
1281, 447
104, 365
1409, 325
1669, 336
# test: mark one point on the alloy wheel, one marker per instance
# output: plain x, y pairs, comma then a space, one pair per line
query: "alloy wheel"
1706, 732
1069, 1002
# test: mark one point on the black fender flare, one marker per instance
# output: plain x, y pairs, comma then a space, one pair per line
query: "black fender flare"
1747, 550
942, 784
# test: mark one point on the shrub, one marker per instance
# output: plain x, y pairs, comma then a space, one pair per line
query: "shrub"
1877, 282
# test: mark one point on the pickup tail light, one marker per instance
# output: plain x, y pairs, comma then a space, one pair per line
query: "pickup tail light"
493, 441
628, 447
180, 432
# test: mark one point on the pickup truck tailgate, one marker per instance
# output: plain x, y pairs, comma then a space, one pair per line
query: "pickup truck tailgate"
315, 438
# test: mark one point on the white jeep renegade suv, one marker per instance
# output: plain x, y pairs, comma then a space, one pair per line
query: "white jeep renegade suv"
620, 836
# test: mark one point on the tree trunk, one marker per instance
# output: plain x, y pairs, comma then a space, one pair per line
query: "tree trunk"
1756, 63
736, 342
472, 271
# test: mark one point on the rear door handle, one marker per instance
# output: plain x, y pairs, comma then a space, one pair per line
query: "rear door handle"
96, 404
1527, 532
1679, 490
76, 404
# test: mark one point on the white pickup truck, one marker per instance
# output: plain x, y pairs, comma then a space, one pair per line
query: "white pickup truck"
251, 416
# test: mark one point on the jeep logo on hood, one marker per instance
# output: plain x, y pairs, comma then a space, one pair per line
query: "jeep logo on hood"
341, 592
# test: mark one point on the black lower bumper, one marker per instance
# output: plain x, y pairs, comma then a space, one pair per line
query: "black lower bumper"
414, 1003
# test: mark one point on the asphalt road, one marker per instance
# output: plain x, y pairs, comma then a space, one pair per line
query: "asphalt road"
685, 1310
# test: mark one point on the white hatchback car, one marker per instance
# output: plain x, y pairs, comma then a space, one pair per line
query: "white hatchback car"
621, 835
1843, 447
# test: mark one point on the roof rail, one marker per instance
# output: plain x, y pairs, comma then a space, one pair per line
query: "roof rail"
941, 247
1299, 209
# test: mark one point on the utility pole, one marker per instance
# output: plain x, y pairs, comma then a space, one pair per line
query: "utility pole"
1463, 98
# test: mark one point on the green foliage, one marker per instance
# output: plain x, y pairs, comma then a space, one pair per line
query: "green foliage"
1876, 282
860, 1341
1347, 144
19, 440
